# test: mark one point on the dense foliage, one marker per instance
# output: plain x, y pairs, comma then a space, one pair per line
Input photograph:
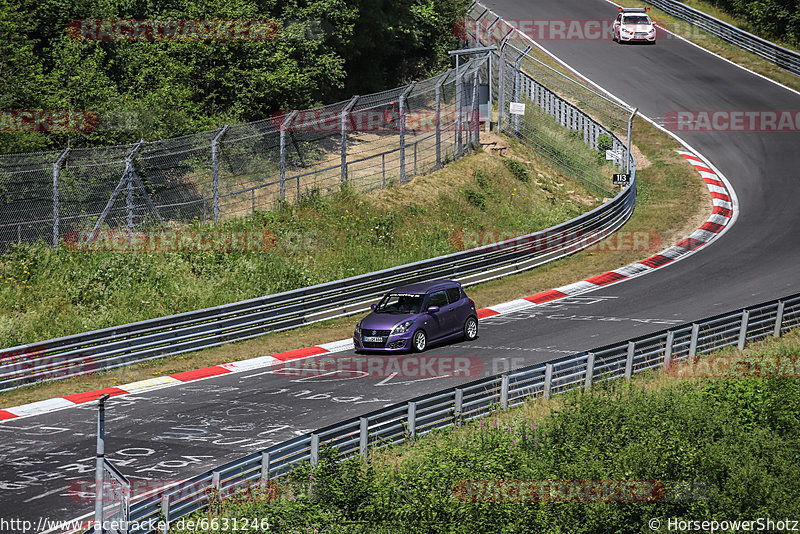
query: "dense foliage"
323, 50
727, 449
773, 19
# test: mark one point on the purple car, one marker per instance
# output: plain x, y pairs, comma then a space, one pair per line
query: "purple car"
412, 316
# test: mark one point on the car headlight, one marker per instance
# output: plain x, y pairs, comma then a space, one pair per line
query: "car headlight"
358, 329
401, 328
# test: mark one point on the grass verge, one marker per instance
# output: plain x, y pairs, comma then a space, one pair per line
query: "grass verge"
663, 446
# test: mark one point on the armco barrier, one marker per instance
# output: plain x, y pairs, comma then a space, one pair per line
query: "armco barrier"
783, 57
405, 421
191, 331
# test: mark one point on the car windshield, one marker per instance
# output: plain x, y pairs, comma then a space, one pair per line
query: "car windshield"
400, 303
636, 19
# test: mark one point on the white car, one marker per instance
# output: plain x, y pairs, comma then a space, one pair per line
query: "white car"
634, 25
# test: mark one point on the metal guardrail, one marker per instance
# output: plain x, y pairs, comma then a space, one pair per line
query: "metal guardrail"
118, 346
783, 57
421, 415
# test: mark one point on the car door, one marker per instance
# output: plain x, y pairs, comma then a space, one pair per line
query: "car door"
441, 321
458, 310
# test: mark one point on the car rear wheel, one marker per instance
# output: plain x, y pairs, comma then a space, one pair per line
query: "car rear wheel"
470, 328
420, 341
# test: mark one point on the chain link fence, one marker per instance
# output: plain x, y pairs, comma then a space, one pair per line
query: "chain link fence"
366, 142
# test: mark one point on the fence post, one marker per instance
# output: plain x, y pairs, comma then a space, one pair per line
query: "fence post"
363, 436
587, 385
693, 342
517, 75
629, 360
668, 349
265, 461
630, 128
439, 118
56, 172
457, 123
501, 81
779, 320
504, 392
412, 420
314, 449
548, 380
402, 120
476, 141
458, 405
284, 126
343, 124
215, 172
383, 171
743, 329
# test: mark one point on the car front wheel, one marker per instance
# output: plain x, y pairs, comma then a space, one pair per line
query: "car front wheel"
420, 341
470, 328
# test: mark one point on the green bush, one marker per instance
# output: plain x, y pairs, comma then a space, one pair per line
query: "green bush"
517, 169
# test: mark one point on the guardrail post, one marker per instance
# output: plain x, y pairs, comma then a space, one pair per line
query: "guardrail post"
458, 405
215, 480
56, 172
265, 461
630, 128
215, 173
165, 511
587, 385
779, 320
668, 349
693, 342
412, 420
314, 449
548, 380
402, 122
284, 127
743, 329
363, 436
504, 392
343, 124
629, 360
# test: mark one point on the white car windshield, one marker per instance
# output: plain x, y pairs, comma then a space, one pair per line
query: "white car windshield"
636, 19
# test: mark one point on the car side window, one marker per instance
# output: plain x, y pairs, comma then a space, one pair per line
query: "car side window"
453, 294
437, 299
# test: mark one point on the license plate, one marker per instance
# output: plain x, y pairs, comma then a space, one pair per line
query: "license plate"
374, 339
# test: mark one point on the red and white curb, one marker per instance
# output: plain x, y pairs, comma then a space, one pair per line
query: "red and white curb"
725, 207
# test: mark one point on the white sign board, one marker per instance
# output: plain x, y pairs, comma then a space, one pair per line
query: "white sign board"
516, 108
613, 155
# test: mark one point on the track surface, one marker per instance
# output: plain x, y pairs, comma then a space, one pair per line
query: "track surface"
180, 431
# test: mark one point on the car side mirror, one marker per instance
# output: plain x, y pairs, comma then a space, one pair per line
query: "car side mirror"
373, 307
433, 309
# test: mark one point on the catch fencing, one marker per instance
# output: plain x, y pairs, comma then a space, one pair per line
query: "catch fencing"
549, 121
366, 142
783, 57
408, 420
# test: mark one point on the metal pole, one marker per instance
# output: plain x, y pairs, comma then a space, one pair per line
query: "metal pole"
343, 124
458, 111
129, 170
284, 127
99, 464
215, 172
402, 120
476, 110
439, 118
517, 75
501, 82
56, 172
630, 128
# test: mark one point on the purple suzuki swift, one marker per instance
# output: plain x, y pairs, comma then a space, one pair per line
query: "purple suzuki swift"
412, 316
